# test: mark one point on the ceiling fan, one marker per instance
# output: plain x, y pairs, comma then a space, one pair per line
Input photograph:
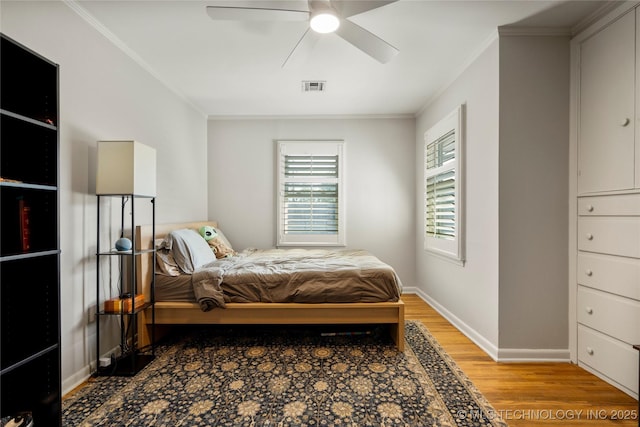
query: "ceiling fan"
324, 16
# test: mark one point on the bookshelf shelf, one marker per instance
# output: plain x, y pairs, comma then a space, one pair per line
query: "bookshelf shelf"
29, 236
28, 120
30, 255
137, 310
32, 144
28, 186
29, 220
125, 253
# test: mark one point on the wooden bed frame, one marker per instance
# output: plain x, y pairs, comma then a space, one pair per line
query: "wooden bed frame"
175, 313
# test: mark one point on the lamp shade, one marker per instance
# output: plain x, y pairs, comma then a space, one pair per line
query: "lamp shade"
126, 167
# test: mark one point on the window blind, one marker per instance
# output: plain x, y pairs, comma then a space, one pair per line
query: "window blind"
310, 203
310, 208
441, 205
441, 151
441, 188
310, 165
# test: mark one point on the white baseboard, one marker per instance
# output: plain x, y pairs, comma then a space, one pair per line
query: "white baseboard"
512, 355
468, 331
75, 380
521, 355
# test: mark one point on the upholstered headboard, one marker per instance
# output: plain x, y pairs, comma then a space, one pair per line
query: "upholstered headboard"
144, 241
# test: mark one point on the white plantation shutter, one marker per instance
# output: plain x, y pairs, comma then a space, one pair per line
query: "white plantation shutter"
441, 206
442, 151
310, 207
310, 165
443, 182
441, 188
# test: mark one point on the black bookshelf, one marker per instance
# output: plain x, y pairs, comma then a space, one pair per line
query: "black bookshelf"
29, 236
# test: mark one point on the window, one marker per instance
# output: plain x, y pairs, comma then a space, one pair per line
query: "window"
443, 160
311, 206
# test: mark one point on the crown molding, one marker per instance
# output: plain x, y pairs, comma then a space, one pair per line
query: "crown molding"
214, 117
600, 13
534, 31
602, 17
116, 41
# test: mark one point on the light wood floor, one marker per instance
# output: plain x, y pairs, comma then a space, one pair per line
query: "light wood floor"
530, 394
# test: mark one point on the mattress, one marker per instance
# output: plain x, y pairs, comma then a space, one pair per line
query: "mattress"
285, 275
174, 288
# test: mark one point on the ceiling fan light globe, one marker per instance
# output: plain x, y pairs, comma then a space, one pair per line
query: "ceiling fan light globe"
324, 22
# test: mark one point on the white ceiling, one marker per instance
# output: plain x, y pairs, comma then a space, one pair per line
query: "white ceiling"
228, 68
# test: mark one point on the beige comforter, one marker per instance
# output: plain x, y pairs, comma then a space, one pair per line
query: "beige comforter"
296, 275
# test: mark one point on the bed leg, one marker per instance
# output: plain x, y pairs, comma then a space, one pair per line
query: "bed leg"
144, 330
397, 329
397, 334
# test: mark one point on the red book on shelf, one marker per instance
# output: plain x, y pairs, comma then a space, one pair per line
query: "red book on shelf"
25, 228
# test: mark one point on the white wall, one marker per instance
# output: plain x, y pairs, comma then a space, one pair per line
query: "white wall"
380, 184
534, 194
468, 295
511, 295
105, 95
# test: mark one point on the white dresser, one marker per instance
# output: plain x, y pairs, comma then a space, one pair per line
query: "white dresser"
608, 291
606, 251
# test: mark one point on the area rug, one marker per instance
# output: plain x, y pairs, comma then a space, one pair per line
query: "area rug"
287, 376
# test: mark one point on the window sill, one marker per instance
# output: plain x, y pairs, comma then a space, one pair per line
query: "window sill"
310, 245
452, 258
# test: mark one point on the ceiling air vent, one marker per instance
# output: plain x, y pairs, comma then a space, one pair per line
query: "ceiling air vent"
314, 86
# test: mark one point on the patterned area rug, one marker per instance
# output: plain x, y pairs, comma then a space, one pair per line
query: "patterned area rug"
287, 376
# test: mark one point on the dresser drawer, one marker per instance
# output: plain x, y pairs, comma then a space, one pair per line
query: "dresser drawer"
620, 205
611, 314
610, 235
617, 275
616, 360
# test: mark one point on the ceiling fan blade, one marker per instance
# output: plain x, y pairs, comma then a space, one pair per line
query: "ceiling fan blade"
367, 42
302, 49
259, 10
347, 8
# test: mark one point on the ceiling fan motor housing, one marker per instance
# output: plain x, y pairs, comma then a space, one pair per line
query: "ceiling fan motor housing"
324, 21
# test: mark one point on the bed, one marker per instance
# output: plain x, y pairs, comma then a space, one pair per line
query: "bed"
183, 311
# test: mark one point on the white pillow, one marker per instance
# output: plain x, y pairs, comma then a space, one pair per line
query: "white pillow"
166, 265
190, 251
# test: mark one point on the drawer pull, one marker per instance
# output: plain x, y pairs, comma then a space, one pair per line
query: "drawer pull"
589, 236
589, 273
589, 310
590, 208
625, 122
590, 351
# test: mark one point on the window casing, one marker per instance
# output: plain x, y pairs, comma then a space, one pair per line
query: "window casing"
443, 187
311, 207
